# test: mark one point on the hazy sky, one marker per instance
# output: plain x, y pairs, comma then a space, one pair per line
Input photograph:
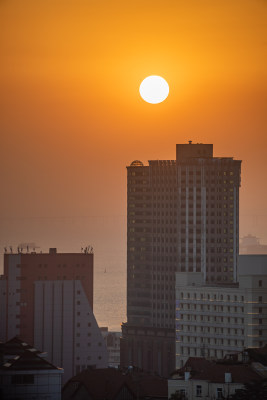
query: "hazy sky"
71, 117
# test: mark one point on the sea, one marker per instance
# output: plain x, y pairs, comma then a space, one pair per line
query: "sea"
110, 297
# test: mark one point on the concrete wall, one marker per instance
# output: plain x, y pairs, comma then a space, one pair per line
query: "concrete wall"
65, 327
13, 296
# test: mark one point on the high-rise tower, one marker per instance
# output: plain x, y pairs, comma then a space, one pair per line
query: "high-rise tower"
182, 215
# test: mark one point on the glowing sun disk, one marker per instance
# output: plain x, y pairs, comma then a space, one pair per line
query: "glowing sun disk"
154, 89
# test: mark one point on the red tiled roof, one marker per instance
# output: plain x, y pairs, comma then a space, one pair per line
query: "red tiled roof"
202, 369
154, 387
17, 346
102, 383
107, 383
28, 361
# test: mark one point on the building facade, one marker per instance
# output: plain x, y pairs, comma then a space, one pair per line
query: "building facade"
182, 215
213, 321
49, 302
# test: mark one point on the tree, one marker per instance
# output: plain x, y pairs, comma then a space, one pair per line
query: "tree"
252, 391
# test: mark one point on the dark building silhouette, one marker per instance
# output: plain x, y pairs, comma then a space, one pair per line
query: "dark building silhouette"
182, 215
251, 245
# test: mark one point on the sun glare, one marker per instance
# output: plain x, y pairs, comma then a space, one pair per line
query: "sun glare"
154, 89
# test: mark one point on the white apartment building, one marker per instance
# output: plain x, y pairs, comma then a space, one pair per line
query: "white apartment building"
213, 320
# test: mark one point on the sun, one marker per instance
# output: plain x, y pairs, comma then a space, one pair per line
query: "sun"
154, 89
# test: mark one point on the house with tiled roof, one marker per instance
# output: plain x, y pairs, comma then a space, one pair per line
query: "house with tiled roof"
26, 375
211, 379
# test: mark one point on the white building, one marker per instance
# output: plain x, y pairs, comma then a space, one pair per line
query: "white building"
65, 326
200, 378
213, 320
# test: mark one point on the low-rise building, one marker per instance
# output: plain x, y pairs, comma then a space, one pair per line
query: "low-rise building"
26, 375
201, 378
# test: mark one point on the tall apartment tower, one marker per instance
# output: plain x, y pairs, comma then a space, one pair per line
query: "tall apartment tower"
182, 215
47, 300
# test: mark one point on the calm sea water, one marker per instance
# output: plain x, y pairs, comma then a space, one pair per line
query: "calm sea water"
110, 297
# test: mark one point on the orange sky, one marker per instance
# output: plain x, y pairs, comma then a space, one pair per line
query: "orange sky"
71, 117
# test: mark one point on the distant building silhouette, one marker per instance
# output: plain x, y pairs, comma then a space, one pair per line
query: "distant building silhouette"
251, 245
47, 300
112, 340
182, 215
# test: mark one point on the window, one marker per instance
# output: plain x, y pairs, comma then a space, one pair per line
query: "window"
22, 379
198, 390
219, 393
260, 283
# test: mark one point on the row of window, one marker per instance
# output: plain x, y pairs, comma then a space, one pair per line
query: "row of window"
235, 298
218, 341
59, 265
217, 308
169, 167
216, 319
44, 278
89, 344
